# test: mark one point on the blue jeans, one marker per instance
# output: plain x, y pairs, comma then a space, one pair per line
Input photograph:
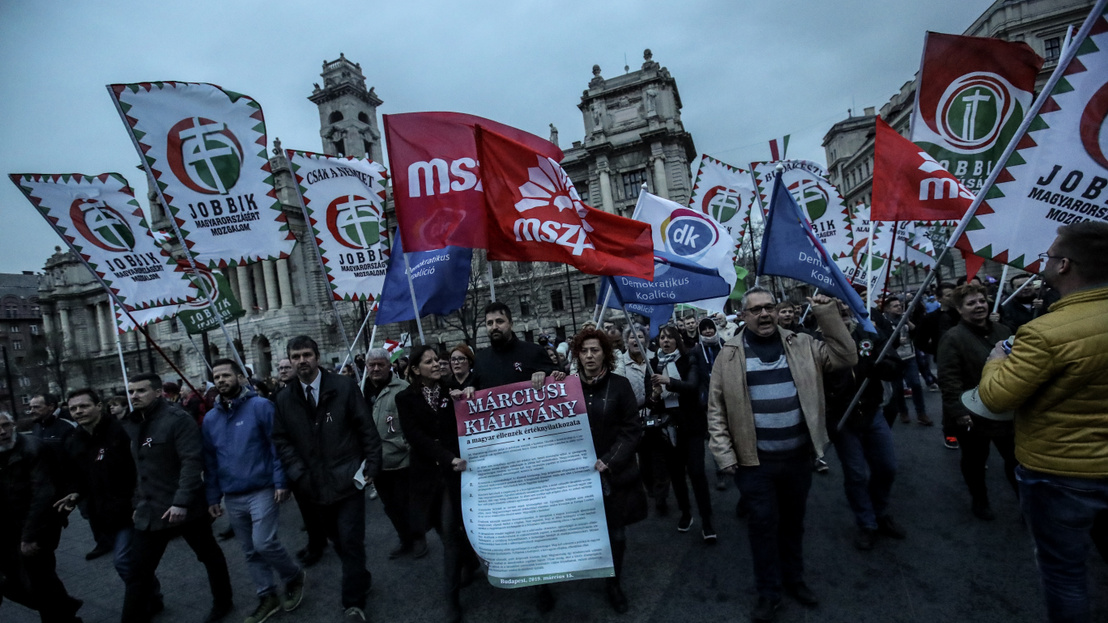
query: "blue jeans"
254, 516
869, 468
776, 492
896, 404
1060, 512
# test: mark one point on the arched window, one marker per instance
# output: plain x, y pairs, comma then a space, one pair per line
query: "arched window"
335, 117
364, 118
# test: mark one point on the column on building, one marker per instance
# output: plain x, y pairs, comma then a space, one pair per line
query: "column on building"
259, 285
606, 201
269, 271
661, 187
47, 323
246, 292
99, 316
63, 318
284, 284
232, 277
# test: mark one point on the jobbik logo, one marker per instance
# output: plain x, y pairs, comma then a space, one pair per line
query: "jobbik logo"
553, 210
102, 225
354, 221
812, 197
973, 110
204, 155
1094, 132
689, 234
722, 203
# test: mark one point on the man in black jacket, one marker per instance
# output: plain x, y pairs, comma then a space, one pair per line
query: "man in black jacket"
169, 498
29, 528
325, 438
509, 359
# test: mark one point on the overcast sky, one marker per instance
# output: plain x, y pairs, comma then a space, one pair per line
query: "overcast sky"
747, 71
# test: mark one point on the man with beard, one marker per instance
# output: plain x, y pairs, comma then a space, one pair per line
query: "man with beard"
29, 528
241, 469
326, 439
766, 412
509, 359
169, 498
1056, 380
1025, 306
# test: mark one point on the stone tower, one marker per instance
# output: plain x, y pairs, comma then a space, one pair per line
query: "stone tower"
633, 135
347, 111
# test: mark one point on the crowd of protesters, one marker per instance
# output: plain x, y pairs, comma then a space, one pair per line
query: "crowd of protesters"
767, 392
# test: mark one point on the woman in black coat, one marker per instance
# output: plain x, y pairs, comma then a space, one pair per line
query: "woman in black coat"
616, 430
676, 393
427, 418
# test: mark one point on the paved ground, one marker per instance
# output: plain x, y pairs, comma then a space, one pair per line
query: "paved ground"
952, 567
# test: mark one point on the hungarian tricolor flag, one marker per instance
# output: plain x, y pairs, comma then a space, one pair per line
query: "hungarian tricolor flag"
909, 185
535, 214
437, 180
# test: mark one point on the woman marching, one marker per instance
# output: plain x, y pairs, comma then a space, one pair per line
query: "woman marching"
616, 430
676, 393
427, 418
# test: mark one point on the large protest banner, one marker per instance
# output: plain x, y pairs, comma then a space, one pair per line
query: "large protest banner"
532, 501
725, 193
100, 220
206, 147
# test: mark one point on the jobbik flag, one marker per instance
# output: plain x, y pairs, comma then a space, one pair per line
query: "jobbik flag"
725, 193
910, 185
440, 279
535, 214
682, 236
860, 264
820, 202
971, 96
344, 201
197, 316
100, 220
1058, 174
206, 149
437, 178
791, 249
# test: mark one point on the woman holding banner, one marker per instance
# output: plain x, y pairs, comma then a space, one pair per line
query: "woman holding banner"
616, 430
427, 418
676, 393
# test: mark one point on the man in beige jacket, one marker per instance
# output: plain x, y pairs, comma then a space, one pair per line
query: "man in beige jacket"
766, 424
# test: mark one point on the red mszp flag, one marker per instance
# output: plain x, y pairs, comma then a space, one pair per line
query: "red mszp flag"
909, 185
535, 214
437, 179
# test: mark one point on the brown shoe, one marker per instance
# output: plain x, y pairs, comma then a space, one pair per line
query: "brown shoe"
925, 421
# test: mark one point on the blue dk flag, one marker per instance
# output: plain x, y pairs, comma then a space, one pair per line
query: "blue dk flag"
440, 279
791, 249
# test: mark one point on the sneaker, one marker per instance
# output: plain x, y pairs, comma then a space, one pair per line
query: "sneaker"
951, 442
821, 466
709, 532
924, 420
294, 592
268, 605
934, 387
802, 594
685, 522
372, 491
765, 611
865, 539
354, 615
888, 527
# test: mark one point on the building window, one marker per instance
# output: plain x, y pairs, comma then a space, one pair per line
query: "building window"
10, 311
1053, 48
173, 324
364, 118
589, 294
34, 329
340, 148
335, 117
26, 399
17, 344
524, 268
632, 183
497, 269
525, 306
556, 303
15, 328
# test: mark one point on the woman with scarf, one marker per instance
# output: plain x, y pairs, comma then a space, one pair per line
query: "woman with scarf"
427, 418
676, 393
614, 421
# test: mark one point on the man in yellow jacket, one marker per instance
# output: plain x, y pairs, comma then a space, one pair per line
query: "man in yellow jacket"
1056, 380
766, 423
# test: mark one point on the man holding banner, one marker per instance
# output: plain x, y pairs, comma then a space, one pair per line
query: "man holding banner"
766, 423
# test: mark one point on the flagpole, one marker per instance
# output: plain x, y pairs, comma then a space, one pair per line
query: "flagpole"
889, 260
356, 336
153, 183
1033, 112
1018, 290
372, 336
492, 286
1000, 289
415, 304
607, 295
122, 362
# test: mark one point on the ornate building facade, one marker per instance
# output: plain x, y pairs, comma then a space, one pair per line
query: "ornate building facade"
633, 135
22, 342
